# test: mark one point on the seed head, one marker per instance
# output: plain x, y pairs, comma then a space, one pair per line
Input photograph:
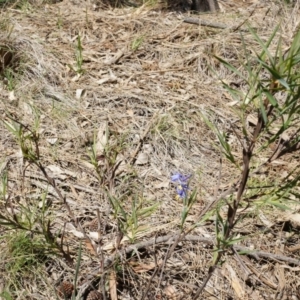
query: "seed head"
65, 290
94, 225
94, 295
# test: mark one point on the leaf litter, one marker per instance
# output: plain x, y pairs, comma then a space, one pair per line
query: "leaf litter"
146, 76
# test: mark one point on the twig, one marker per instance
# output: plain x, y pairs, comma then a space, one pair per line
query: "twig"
205, 281
167, 256
259, 275
138, 147
246, 270
271, 256
233, 208
235, 28
153, 275
160, 240
215, 200
115, 58
205, 23
216, 24
211, 268
52, 182
182, 235
37, 162
102, 281
195, 238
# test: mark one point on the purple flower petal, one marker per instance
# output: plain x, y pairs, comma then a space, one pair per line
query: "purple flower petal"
182, 190
182, 184
175, 177
185, 178
179, 178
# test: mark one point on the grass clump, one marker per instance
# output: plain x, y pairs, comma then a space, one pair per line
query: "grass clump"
24, 257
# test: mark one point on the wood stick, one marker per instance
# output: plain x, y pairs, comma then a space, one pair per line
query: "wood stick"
205, 23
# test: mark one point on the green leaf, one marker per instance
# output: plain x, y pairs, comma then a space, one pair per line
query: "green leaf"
6, 295
13, 128
231, 67
184, 214
271, 98
265, 45
147, 211
284, 83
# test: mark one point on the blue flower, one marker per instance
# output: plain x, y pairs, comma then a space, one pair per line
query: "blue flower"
182, 191
182, 184
179, 178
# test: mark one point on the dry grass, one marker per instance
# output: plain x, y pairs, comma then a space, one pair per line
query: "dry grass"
146, 78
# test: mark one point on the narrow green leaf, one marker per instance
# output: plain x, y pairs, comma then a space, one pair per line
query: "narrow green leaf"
284, 83
263, 112
265, 45
231, 67
271, 98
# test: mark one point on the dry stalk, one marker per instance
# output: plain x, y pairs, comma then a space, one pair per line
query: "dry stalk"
145, 292
37, 162
140, 143
232, 209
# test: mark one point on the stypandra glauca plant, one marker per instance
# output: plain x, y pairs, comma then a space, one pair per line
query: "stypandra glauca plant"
79, 56
29, 215
273, 92
105, 155
129, 221
78, 68
182, 189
